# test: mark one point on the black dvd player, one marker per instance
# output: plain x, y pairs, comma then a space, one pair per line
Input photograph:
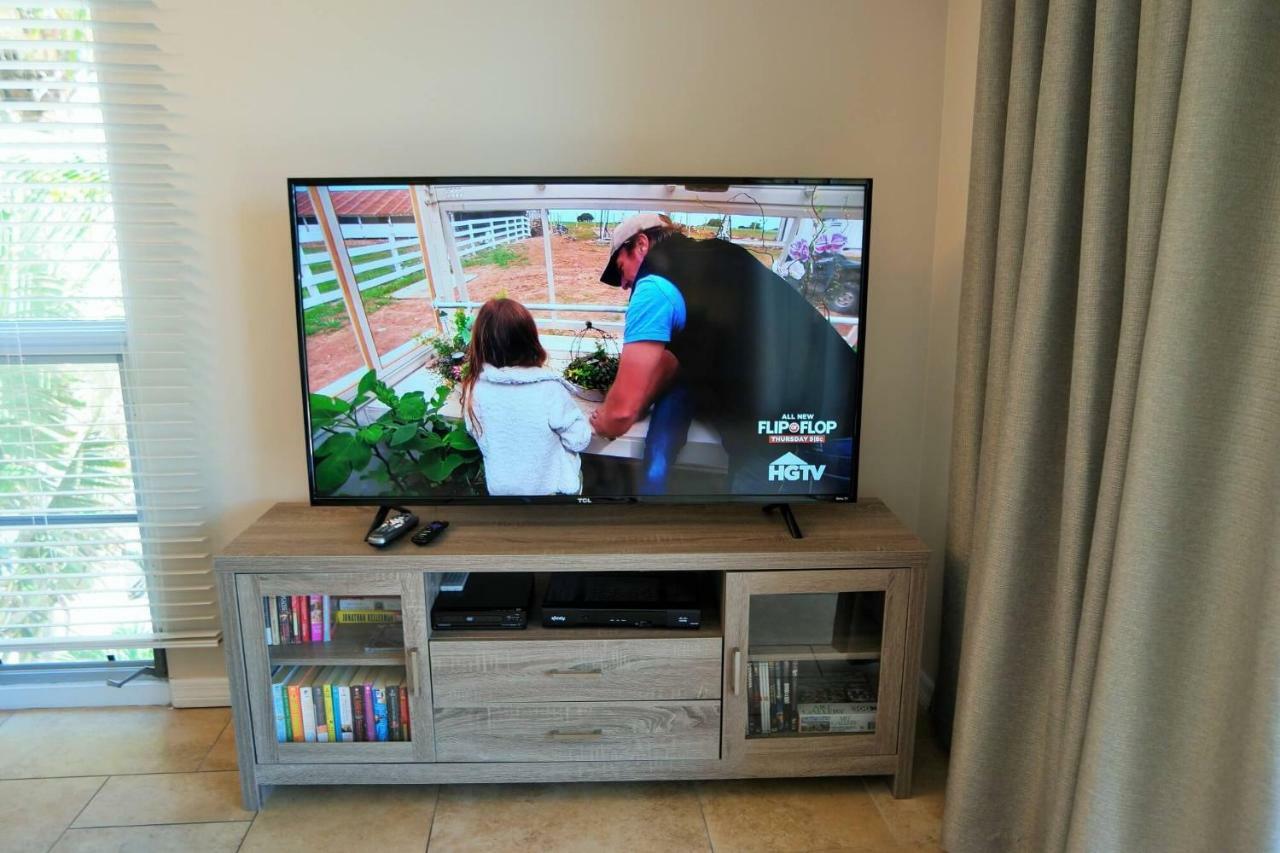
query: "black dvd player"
622, 599
487, 600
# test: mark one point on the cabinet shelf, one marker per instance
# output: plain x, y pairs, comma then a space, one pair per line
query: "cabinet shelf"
858, 647
346, 650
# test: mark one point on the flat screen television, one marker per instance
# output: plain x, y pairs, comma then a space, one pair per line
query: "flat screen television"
580, 339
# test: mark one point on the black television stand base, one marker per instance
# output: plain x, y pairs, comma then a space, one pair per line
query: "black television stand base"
789, 517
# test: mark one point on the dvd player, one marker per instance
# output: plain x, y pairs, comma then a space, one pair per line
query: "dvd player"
618, 599
486, 600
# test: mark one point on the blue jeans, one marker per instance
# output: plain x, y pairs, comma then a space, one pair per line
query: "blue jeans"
668, 431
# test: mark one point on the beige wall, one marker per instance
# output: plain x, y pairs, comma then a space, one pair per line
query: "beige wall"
853, 89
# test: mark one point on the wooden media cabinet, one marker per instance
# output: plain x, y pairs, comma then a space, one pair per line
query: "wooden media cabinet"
806, 619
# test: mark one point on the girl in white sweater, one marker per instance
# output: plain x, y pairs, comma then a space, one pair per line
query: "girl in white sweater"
521, 414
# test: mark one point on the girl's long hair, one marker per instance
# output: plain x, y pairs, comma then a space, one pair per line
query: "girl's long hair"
503, 335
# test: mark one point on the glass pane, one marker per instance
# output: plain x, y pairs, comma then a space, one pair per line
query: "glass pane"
338, 668
814, 663
57, 221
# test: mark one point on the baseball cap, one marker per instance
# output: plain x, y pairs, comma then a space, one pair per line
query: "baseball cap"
626, 229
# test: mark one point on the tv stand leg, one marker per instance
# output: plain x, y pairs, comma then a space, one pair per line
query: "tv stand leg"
789, 517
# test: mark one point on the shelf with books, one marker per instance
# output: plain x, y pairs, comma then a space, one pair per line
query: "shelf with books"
795, 698
341, 704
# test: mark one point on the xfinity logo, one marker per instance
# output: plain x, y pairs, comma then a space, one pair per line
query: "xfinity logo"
790, 467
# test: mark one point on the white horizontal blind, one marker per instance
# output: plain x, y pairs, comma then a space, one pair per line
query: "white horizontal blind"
102, 543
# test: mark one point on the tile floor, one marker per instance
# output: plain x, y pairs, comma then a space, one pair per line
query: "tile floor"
158, 779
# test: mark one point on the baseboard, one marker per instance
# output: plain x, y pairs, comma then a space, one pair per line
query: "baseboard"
926, 690
200, 692
83, 694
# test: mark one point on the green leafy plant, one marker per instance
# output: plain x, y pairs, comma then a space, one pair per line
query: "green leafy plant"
410, 446
594, 371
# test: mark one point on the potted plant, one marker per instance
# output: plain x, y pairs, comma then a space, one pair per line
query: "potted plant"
449, 346
590, 374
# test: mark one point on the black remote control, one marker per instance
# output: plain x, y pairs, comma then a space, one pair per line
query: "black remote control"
430, 533
391, 529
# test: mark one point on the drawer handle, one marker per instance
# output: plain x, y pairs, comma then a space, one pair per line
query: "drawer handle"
589, 734
575, 672
737, 672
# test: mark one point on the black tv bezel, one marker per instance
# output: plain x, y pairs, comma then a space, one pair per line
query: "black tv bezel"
509, 500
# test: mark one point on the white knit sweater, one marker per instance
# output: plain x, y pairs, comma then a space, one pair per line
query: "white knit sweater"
530, 431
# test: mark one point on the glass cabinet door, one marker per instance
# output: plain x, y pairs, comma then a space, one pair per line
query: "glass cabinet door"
335, 665
814, 661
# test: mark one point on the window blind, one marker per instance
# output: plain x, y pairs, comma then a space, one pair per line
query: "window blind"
102, 543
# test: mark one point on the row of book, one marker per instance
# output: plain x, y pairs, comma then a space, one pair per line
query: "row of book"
289, 619
340, 704
784, 700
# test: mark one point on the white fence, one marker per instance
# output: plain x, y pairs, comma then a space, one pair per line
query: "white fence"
400, 239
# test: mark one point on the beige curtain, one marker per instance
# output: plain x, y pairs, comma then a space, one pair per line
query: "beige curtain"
1112, 624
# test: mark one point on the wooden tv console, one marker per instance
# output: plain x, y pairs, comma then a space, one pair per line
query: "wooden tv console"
586, 704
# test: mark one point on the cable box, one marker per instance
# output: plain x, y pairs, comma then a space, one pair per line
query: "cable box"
622, 599
486, 600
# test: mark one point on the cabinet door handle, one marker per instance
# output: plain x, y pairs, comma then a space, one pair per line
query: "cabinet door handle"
589, 734
575, 672
737, 671
412, 672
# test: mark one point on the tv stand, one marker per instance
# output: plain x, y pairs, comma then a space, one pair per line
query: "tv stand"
789, 517
812, 620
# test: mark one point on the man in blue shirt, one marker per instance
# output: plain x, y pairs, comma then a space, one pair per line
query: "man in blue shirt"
711, 332
655, 314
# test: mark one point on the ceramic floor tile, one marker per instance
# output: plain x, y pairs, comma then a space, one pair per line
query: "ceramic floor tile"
107, 741
34, 812
916, 819
793, 815
223, 754
166, 798
310, 819
188, 838
569, 817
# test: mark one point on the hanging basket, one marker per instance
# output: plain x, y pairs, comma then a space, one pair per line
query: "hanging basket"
593, 363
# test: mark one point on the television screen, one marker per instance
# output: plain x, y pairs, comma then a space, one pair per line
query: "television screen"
580, 339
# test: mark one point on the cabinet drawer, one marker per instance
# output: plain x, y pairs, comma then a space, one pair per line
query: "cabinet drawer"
467, 673
579, 731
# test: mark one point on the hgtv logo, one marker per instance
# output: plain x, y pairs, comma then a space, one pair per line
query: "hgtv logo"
789, 467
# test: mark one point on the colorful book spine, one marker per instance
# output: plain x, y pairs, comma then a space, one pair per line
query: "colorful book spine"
266, 619
296, 728
370, 712
393, 712
308, 713
299, 618
279, 704
357, 709
322, 726
330, 713
380, 722
344, 709
366, 617
325, 632
284, 614
316, 618
404, 715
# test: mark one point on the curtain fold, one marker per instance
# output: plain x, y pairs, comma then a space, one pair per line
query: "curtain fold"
1111, 645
